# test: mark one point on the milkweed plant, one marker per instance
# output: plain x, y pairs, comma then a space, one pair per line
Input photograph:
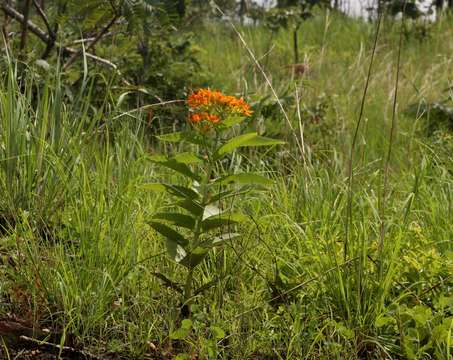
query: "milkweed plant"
201, 220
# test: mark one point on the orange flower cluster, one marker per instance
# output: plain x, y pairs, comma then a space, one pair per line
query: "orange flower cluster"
197, 117
206, 102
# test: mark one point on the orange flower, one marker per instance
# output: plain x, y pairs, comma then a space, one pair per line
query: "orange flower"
204, 116
195, 118
214, 101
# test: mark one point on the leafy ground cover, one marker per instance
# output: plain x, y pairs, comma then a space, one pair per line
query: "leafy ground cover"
338, 258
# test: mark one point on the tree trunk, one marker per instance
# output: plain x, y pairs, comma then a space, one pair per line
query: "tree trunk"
23, 37
242, 10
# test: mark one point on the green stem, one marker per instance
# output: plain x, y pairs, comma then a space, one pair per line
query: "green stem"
197, 230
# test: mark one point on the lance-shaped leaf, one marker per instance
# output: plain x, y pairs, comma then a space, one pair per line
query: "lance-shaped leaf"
187, 158
250, 139
175, 190
234, 143
173, 164
224, 219
193, 207
175, 251
169, 233
244, 179
211, 210
176, 219
220, 195
195, 257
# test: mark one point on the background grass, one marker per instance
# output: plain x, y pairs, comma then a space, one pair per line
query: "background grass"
78, 256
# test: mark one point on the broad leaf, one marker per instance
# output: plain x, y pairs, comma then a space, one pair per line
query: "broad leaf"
169, 233
187, 158
218, 332
225, 219
235, 142
177, 219
183, 332
250, 139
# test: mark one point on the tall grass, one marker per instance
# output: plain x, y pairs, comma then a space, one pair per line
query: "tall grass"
83, 262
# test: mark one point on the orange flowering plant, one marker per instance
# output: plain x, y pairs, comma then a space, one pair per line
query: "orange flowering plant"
201, 221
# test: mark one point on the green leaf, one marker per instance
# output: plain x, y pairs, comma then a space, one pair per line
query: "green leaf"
223, 220
232, 120
220, 195
168, 232
182, 356
220, 240
175, 190
235, 142
183, 332
187, 158
177, 219
263, 141
175, 251
245, 179
217, 332
192, 207
195, 257
250, 139
211, 210
173, 164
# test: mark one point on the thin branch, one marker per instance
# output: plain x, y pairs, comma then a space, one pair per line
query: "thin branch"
92, 44
52, 33
10, 11
44, 18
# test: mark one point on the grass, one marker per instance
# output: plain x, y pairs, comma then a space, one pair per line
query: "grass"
79, 257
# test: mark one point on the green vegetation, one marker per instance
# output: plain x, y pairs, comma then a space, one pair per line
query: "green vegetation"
328, 265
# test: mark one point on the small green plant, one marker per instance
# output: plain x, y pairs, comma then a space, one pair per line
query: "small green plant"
205, 219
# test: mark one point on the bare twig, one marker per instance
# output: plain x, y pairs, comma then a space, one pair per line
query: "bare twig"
92, 44
42, 35
51, 32
44, 18
13, 13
